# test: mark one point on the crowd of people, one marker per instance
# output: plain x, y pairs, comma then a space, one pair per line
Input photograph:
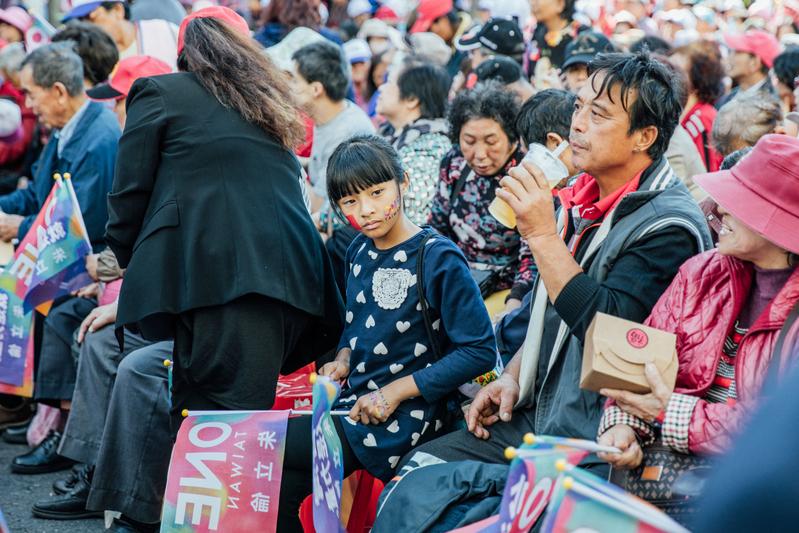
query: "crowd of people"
271, 184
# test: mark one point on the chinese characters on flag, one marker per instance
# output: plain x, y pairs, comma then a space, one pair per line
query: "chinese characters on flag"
328, 469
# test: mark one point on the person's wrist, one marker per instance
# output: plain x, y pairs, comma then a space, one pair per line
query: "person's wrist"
537, 240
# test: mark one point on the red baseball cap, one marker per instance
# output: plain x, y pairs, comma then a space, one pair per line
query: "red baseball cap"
756, 42
222, 14
128, 71
428, 11
762, 190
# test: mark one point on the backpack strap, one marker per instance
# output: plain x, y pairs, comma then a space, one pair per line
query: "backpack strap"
457, 187
420, 287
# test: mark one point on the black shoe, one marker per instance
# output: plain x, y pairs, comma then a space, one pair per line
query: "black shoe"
17, 434
128, 525
72, 505
43, 458
63, 486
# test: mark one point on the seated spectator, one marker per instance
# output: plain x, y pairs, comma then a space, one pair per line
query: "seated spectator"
392, 407
620, 147
414, 104
752, 55
726, 307
546, 119
507, 72
157, 38
95, 48
497, 37
280, 17
16, 154
579, 53
319, 83
786, 70
701, 62
485, 147
744, 120
14, 24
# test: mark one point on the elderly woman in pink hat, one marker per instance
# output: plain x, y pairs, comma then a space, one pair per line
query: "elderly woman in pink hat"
14, 23
727, 308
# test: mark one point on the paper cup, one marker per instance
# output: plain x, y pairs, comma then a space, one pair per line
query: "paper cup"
500, 210
552, 167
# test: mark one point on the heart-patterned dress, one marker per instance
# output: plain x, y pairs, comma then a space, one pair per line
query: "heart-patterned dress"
386, 332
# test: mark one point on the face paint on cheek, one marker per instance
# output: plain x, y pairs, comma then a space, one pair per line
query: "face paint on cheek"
353, 222
392, 210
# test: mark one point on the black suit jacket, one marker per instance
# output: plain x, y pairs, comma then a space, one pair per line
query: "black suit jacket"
206, 207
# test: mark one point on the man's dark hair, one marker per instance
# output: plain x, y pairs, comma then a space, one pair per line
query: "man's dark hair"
94, 46
647, 93
56, 63
651, 43
786, 66
108, 6
324, 62
568, 10
549, 111
487, 100
430, 85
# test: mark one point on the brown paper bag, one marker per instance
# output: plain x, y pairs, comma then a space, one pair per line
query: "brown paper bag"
616, 351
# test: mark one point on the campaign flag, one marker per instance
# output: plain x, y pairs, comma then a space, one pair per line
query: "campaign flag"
328, 469
50, 259
225, 472
3, 524
48, 263
583, 502
39, 34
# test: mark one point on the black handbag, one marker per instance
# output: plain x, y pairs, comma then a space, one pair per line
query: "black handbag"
672, 481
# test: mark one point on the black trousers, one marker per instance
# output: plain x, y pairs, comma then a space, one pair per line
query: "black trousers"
56, 366
298, 470
228, 357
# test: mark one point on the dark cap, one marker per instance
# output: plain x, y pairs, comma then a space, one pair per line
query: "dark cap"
500, 68
584, 48
501, 36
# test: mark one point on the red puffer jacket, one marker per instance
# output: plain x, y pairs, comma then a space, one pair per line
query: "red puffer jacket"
700, 307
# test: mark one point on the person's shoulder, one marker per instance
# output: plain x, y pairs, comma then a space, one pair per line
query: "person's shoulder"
440, 249
357, 119
104, 126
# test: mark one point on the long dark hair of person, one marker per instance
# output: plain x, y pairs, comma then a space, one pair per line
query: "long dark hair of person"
233, 68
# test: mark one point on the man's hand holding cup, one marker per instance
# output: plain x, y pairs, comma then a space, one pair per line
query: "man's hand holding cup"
526, 190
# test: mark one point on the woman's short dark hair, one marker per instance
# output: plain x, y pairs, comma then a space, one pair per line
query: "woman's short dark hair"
646, 80
94, 46
235, 70
486, 100
786, 66
705, 70
324, 62
549, 111
361, 162
430, 85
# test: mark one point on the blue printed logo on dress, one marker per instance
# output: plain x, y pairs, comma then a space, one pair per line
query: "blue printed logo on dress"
390, 286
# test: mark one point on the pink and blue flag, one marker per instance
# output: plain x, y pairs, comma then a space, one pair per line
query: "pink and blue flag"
328, 468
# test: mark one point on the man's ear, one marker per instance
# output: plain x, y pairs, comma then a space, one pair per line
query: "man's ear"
553, 140
318, 89
645, 138
413, 103
60, 90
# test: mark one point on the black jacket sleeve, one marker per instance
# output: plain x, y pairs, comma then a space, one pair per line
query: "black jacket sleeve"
634, 284
137, 165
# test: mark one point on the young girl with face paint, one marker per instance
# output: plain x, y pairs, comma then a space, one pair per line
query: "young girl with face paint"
393, 384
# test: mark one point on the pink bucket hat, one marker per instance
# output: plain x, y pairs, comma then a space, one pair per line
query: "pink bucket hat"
762, 190
17, 17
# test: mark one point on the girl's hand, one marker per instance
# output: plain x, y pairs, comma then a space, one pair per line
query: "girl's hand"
335, 370
377, 406
373, 408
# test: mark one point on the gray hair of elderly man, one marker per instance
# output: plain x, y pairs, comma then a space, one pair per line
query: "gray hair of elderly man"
57, 63
744, 120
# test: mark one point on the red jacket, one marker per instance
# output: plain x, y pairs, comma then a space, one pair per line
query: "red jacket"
700, 307
699, 124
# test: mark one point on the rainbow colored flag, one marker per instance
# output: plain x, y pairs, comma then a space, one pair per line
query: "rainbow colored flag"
583, 502
48, 263
328, 468
225, 473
